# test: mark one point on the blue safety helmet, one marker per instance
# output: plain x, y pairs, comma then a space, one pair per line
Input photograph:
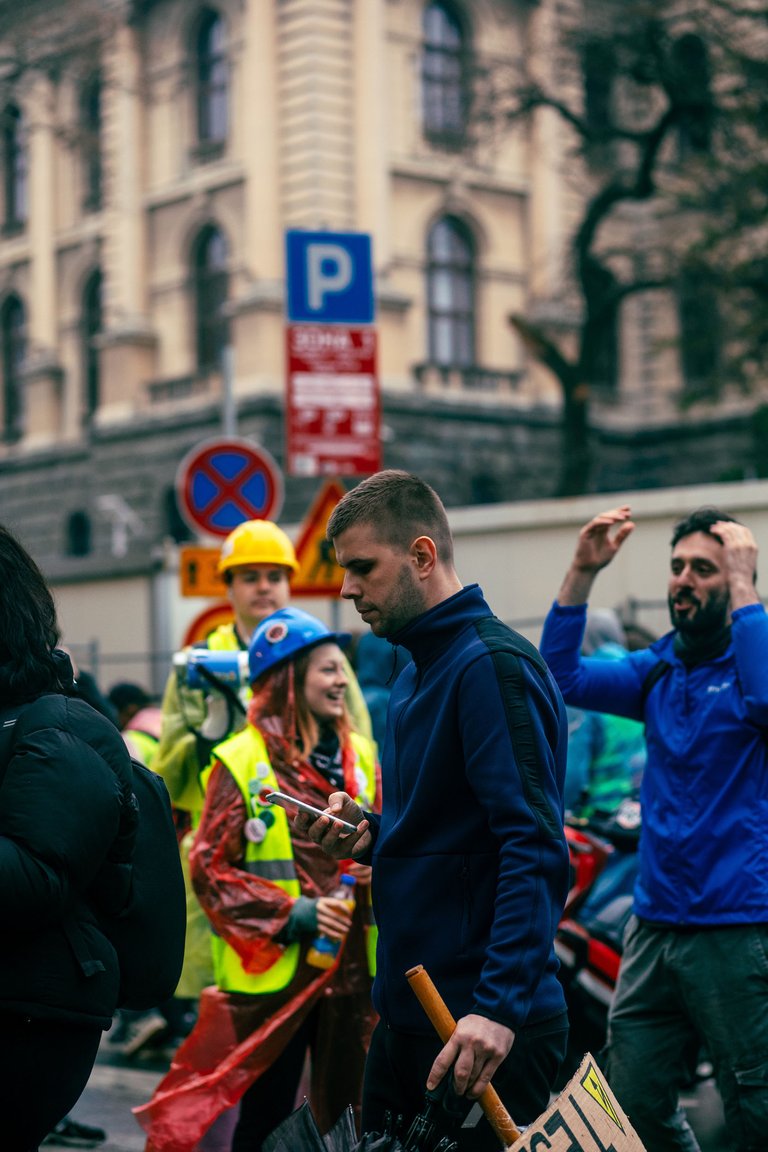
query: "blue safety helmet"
284, 635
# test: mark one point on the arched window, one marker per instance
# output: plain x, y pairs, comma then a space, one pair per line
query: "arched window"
605, 356
444, 74
79, 534
175, 525
599, 70
90, 328
690, 61
211, 286
601, 352
700, 332
211, 75
90, 132
14, 168
451, 293
13, 325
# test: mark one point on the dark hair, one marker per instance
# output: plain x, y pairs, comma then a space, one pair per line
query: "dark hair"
401, 506
126, 694
700, 521
29, 630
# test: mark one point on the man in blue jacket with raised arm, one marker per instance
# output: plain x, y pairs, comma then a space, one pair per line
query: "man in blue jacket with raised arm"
695, 962
470, 866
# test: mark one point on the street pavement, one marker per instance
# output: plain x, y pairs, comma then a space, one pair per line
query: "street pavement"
117, 1085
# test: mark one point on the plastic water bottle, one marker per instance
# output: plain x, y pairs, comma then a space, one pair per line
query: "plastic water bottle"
323, 951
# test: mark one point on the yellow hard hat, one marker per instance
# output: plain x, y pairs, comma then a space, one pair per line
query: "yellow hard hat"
257, 542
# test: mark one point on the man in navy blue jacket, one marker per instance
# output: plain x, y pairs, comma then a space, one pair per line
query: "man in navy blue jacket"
695, 962
470, 866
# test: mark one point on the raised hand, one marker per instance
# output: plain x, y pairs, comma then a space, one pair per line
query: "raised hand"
740, 561
601, 538
598, 543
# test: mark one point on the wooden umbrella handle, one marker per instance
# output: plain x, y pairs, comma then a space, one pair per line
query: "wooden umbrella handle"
445, 1025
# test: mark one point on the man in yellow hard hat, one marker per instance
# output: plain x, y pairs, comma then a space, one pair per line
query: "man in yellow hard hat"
257, 561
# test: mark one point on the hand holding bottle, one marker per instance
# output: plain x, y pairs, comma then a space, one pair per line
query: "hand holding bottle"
334, 917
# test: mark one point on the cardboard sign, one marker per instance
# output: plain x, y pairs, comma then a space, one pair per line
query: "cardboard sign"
585, 1117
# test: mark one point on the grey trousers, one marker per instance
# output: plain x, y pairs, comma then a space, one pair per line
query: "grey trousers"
676, 990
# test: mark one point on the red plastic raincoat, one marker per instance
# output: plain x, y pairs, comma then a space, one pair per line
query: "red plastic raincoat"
237, 1037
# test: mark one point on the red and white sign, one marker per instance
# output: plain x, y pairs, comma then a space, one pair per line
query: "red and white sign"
333, 409
206, 621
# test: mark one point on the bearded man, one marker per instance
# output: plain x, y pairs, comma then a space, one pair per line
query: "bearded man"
695, 961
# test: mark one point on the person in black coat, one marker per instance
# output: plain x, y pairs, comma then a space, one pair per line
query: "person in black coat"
65, 782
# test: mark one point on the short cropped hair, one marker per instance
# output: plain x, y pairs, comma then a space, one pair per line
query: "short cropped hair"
401, 506
700, 521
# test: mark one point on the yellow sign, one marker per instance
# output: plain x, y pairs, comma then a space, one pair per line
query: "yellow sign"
197, 572
318, 574
592, 1083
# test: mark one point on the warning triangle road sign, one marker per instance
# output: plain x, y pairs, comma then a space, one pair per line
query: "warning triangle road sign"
318, 574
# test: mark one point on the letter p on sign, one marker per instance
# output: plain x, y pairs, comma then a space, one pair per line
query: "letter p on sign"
329, 270
329, 277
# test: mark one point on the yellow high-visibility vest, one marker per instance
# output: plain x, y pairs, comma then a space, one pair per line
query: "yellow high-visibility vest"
245, 756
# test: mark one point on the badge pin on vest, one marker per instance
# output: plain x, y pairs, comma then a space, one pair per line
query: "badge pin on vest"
255, 830
256, 788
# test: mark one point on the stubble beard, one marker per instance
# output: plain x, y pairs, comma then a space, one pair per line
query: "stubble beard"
404, 605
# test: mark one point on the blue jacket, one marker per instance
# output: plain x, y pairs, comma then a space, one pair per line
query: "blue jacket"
704, 795
470, 866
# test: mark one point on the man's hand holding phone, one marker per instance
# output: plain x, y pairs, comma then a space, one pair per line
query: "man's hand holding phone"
289, 802
330, 834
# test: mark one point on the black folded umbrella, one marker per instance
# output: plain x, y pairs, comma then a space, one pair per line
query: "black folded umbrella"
427, 1132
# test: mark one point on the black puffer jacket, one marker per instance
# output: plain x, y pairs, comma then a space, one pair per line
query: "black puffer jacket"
62, 790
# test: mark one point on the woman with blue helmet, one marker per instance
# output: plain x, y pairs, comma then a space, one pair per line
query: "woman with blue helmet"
267, 891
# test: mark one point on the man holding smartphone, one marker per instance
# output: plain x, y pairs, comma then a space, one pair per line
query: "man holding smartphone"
470, 865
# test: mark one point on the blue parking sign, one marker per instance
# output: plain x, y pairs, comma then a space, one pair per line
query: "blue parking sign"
329, 277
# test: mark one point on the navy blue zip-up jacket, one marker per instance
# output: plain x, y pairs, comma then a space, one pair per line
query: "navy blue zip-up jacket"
470, 865
704, 795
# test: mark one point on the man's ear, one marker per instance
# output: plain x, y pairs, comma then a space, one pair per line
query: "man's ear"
424, 553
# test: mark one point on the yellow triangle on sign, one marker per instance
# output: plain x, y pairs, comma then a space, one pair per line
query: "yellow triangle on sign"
318, 574
592, 1083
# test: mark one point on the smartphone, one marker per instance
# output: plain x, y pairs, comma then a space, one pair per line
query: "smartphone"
286, 801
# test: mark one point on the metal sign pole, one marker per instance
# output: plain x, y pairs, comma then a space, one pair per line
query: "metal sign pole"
228, 407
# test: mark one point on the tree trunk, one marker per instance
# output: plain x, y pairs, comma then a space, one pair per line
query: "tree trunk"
575, 445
